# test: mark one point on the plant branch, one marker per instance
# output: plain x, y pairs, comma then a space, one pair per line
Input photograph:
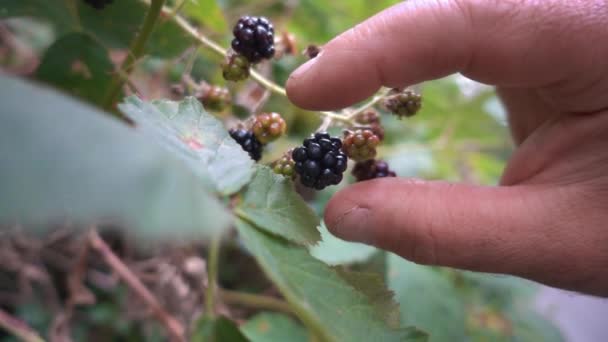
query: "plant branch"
18, 328
136, 50
377, 98
254, 301
212, 264
175, 328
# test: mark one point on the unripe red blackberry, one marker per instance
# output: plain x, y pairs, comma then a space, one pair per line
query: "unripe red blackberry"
248, 142
268, 127
371, 118
98, 4
235, 68
215, 98
360, 145
285, 166
320, 162
371, 169
403, 104
254, 38
312, 51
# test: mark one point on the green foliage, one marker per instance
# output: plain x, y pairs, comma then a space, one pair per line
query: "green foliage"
198, 138
65, 160
327, 303
78, 64
217, 330
271, 327
334, 251
271, 203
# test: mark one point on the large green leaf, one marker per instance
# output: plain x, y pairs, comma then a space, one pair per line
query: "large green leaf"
78, 64
334, 251
327, 303
218, 329
65, 161
188, 131
273, 327
428, 300
115, 25
208, 13
272, 204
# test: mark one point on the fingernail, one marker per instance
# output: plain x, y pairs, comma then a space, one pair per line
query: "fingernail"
353, 225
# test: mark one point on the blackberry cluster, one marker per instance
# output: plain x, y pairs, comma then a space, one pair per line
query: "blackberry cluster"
372, 119
254, 38
320, 162
406, 103
235, 68
371, 169
268, 127
215, 98
98, 4
360, 145
248, 142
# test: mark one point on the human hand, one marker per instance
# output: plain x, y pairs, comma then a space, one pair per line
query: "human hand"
548, 219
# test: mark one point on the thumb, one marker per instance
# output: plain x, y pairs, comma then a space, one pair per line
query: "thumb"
509, 230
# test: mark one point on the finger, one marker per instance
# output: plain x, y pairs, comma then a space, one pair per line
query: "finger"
510, 43
491, 229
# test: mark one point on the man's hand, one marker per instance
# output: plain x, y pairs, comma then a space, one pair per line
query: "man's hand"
548, 219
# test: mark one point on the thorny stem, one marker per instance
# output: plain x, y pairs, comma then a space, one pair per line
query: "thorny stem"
18, 328
255, 301
212, 264
175, 329
136, 50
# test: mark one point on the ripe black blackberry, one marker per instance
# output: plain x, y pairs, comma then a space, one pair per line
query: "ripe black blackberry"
371, 169
98, 4
320, 162
248, 142
254, 38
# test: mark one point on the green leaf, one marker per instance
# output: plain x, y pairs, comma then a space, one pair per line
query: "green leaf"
217, 330
114, 26
78, 64
328, 304
65, 161
273, 327
188, 131
334, 251
271, 203
208, 13
428, 300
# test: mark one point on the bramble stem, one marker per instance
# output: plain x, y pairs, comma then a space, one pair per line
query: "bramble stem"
377, 98
136, 50
18, 328
255, 301
212, 264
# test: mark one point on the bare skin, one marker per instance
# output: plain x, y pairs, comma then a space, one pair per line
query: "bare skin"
548, 218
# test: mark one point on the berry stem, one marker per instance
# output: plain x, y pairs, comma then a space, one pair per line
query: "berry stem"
212, 264
136, 50
254, 301
377, 98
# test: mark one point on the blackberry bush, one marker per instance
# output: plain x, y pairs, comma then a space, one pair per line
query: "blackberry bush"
360, 145
254, 38
320, 162
371, 169
268, 127
403, 104
98, 4
248, 142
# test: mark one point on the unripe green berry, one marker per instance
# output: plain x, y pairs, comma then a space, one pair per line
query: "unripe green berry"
235, 68
215, 98
268, 127
285, 166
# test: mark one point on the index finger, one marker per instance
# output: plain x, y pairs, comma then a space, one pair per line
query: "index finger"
507, 42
